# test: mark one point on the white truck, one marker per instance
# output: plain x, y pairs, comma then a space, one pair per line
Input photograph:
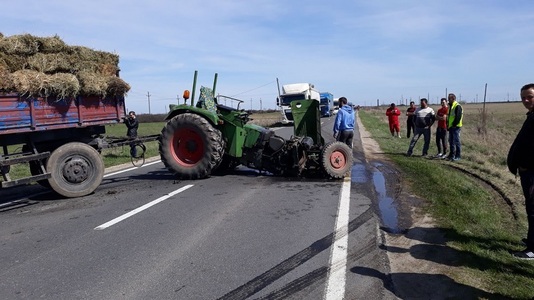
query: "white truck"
336, 106
292, 92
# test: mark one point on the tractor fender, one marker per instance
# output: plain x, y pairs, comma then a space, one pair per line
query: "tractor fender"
212, 117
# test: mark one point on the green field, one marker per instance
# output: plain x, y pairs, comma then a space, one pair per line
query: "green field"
476, 202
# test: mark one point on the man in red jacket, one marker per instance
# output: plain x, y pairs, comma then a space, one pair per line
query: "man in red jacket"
393, 114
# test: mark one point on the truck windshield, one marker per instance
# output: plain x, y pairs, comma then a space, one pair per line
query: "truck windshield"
324, 101
286, 99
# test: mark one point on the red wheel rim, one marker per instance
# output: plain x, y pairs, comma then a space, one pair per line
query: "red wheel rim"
187, 146
337, 160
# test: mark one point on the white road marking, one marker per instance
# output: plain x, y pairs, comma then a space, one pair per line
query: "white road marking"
133, 168
335, 288
141, 208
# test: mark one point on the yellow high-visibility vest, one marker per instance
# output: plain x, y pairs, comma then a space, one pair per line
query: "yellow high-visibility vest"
451, 116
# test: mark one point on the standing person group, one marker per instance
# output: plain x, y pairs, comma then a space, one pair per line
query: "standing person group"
393, 114
454, 126
424, 118
441, 130
344, 124
520, 161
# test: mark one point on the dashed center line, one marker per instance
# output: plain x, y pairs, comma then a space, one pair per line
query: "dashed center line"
141, 208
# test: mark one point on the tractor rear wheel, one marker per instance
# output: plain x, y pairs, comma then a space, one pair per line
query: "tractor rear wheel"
337, 159
190, 147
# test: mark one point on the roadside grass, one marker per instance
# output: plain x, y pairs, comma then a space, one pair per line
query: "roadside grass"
479, 225
120, 155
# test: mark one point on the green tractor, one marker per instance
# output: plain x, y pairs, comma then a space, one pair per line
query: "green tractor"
208, 137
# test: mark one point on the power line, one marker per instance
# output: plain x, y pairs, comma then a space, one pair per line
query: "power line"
252, 89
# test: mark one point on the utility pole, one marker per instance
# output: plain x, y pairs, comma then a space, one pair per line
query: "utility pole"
250, 103
148, 96
261, 106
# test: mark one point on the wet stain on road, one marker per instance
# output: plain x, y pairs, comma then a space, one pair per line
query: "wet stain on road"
386, 205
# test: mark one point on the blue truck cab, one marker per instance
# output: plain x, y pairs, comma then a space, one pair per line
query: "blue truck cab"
326, 105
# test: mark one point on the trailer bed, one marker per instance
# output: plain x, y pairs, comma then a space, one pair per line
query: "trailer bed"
25, 115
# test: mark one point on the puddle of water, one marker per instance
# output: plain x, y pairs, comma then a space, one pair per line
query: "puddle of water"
358, 173
388, 210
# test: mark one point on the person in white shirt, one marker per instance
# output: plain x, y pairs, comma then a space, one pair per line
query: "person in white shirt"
424, 118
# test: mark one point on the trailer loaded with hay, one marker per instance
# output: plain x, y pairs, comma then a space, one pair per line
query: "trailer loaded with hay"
55, 101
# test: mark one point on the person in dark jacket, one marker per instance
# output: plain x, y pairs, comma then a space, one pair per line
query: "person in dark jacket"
410, 113
132, 124
344, 123
520, 161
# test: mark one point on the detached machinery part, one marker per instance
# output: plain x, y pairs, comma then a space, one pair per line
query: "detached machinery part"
35, 166
190, 147
35, 169
76, 168
336, 159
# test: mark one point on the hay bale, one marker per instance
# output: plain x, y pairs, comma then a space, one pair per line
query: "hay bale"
40, 65
52, 45
28, 82
13, 62
61, 85
37, 84
116, 87
51, 63
6, 80
23, 44
92, 84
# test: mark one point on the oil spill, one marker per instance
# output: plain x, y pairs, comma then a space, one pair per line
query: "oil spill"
386, 204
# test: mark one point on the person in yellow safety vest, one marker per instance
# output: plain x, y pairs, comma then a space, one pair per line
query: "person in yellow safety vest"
454, 126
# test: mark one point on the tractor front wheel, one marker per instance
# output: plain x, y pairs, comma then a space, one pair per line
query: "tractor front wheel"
190, 147
337, 159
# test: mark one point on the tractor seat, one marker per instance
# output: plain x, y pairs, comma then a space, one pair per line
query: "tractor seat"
225, 108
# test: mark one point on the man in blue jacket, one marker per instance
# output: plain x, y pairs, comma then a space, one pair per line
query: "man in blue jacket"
344, 124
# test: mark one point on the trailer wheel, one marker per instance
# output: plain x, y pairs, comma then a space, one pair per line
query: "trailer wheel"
337, 159
76, 169
190, 146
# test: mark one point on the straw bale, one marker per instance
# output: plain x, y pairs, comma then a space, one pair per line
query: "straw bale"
13, 62
23, 44
39, 66
108, 70
51, 63
6, 80
61, 85
92, 84
28, 82
37, 84
117, 86
52, 45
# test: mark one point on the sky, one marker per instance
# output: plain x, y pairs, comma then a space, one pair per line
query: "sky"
368, 51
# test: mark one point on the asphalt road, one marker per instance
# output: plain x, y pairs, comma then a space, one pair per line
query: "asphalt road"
244, 235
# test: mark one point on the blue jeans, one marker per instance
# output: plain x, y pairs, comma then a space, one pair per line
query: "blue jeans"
527, 184
418, 132
454, 142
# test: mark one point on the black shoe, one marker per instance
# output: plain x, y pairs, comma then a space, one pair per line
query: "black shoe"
526, 254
